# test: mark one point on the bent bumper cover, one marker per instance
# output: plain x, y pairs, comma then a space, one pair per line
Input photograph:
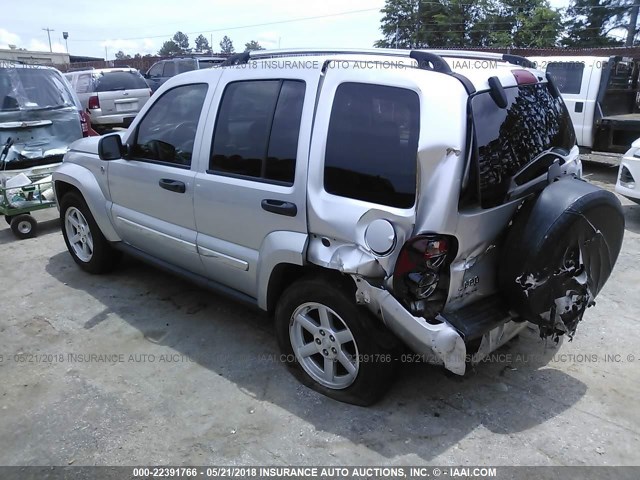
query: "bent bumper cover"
438, 343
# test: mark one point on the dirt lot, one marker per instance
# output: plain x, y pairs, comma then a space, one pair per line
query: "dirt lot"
192, 379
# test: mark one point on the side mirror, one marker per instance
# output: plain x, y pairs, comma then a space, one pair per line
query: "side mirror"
110, 147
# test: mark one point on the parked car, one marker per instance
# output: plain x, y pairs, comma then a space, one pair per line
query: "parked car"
39, 117
629, 173
371, 200
163, 70
111, 96
602, 95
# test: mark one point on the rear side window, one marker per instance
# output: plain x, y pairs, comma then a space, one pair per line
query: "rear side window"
114, 81
257, 130
167, 132
372, 144
84, 83
185, 66
533, 125
169, 69
566, 75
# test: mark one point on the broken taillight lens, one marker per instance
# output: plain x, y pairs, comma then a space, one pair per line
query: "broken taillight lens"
421, 279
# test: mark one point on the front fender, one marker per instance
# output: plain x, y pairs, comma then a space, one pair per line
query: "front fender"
97, 200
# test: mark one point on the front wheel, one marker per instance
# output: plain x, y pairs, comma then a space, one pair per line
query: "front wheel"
331, 345
85, 242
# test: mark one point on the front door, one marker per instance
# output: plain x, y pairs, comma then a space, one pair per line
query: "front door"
153, 190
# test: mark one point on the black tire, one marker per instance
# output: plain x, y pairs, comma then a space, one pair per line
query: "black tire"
375, 346
104, 257
24, 226
559, 253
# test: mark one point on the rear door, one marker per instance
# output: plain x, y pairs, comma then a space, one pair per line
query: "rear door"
252, 190
121, 92
152, 191
572, 79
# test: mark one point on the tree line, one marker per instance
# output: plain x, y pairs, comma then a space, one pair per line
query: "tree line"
508, 23
179, 45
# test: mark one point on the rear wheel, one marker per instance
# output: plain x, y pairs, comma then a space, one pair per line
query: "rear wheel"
331, 345
85, 242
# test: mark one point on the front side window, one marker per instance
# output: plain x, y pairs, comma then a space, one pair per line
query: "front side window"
257, 130
156, 70
169, 69
372, 144
567, 75
168, 130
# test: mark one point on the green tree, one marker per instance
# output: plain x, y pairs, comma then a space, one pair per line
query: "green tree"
589, 22
226, 45
182, 41
169, 49
202, 44
460, 23
120, 55
252, 45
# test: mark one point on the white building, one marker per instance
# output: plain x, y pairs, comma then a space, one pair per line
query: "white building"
40, 58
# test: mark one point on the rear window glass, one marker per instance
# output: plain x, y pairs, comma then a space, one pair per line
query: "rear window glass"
112, 81
566, 75
33, 88
372, 144
533, 124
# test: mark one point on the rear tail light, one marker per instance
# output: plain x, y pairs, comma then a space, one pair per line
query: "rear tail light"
84, 123
94, 102
421, 276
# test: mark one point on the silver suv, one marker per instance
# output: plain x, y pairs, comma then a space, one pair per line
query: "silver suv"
373, 201
111, 96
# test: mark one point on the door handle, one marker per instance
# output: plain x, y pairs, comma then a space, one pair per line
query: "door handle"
172, 185
280, 207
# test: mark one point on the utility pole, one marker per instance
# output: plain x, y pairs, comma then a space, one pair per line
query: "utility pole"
65, 35
631, 29
49, 30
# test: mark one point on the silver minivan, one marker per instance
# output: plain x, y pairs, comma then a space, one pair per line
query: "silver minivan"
111, 96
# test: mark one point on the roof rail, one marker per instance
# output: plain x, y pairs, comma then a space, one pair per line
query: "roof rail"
474, 55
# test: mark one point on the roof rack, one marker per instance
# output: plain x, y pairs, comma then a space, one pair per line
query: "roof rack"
432, 60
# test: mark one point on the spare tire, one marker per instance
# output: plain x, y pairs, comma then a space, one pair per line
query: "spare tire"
559, 252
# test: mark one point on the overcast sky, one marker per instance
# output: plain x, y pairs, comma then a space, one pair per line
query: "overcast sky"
141, 26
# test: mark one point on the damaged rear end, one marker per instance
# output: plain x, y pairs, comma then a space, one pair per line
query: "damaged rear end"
490, 229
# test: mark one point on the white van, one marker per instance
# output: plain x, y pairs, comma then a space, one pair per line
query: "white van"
602, 96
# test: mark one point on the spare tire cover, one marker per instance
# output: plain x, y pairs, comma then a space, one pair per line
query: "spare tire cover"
559, 252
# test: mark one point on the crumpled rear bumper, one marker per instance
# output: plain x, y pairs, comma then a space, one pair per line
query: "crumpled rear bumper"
439, 343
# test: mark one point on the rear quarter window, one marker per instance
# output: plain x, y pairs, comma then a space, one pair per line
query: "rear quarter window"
372, 144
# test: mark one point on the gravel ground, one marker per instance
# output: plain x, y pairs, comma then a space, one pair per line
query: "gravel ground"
183, 376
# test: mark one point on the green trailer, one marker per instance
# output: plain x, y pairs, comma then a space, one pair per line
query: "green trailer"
18, 201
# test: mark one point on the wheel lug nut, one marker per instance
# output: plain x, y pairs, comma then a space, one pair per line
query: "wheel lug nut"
322, 333
318, 341
331, 337
325, 352
334, 350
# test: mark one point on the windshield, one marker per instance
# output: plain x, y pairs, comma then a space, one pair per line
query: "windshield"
32, 89
509, 139
124, 80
